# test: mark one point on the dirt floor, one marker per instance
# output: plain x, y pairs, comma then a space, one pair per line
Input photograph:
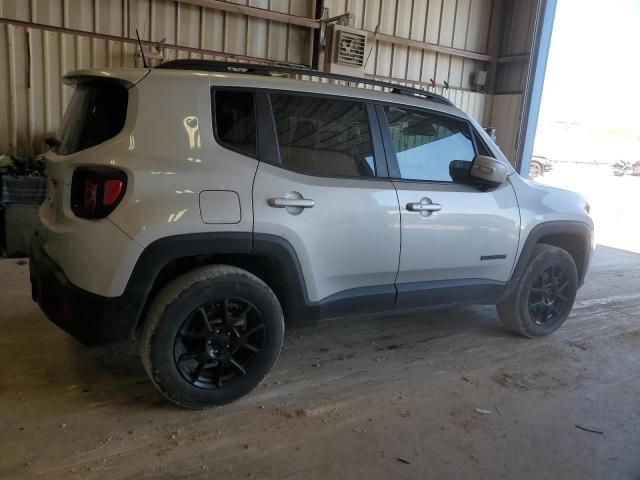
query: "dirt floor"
442, 394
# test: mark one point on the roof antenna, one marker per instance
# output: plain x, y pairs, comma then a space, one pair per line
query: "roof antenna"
144, 59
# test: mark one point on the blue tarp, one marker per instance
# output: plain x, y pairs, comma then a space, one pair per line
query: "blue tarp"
25, 190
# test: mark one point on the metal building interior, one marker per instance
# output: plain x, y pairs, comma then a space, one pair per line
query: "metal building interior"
478, 53
351, 398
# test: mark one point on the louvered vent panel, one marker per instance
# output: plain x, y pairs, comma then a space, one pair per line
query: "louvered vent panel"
351, 48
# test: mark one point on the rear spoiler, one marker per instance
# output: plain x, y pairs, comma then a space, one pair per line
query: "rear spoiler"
127, 77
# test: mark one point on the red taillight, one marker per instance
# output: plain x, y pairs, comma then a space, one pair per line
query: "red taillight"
112, 191
96, 192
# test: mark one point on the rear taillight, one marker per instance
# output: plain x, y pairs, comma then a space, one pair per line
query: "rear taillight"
96, 192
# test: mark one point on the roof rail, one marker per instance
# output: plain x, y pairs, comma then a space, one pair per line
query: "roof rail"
258, 69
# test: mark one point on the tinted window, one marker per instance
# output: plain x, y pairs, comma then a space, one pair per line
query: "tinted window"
429, 146
323, 136
236, 120
96, 113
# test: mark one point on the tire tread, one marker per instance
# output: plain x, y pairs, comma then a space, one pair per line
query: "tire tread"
170, 294
509, 311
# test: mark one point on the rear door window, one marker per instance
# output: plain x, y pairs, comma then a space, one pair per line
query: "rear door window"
235, 120
323, 136
97, 112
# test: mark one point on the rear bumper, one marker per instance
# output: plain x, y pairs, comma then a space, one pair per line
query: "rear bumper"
92, 319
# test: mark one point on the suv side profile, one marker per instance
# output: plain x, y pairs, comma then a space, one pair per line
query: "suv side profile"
195, 207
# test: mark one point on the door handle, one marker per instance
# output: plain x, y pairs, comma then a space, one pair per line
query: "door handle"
424, 207
283, 202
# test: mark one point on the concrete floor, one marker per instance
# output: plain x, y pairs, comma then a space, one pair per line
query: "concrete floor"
392, 397
359, 398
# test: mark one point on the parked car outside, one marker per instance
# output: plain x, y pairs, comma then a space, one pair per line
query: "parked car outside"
539, 166
624, 167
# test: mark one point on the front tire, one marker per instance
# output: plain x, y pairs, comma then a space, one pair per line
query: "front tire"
211, 335
544, 295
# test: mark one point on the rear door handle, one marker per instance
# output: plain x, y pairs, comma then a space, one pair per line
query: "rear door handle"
424, 207
283, 202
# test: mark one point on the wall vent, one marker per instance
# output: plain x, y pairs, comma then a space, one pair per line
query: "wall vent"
351, 48
346, 50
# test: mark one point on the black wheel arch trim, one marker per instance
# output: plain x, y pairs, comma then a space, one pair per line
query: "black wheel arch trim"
161, 252
286, 278
557, 227
98, 320
285, 273
288, 282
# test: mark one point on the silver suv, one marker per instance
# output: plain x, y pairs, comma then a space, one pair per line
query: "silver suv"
198, 205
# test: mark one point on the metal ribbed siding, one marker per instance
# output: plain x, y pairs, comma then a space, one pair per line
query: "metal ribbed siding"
33, 60
517, 39
506, 113
511, 78
462, 24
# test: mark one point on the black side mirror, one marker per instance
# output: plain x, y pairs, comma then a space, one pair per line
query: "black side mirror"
459, 171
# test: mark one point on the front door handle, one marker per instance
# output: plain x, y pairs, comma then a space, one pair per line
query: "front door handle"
424, 207
283, 202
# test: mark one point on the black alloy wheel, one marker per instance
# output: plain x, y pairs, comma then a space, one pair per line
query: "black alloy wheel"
211, 335
543, 296
218, 342
548, 295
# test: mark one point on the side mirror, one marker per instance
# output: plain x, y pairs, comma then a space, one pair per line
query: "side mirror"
488, 170
459, 171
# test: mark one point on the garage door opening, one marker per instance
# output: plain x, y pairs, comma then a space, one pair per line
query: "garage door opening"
588, 135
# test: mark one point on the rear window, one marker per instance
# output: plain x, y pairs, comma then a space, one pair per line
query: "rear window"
96, 113
235, 120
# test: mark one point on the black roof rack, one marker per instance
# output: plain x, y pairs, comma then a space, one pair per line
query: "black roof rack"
258, 69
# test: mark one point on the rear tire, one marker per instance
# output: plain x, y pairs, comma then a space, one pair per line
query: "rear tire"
544, 295
211, 335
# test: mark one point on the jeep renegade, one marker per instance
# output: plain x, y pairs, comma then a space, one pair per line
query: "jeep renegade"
197, 205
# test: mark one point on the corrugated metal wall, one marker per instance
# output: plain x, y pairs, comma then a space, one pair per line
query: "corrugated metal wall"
462, 24
99, 33
33, 60
511, 79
